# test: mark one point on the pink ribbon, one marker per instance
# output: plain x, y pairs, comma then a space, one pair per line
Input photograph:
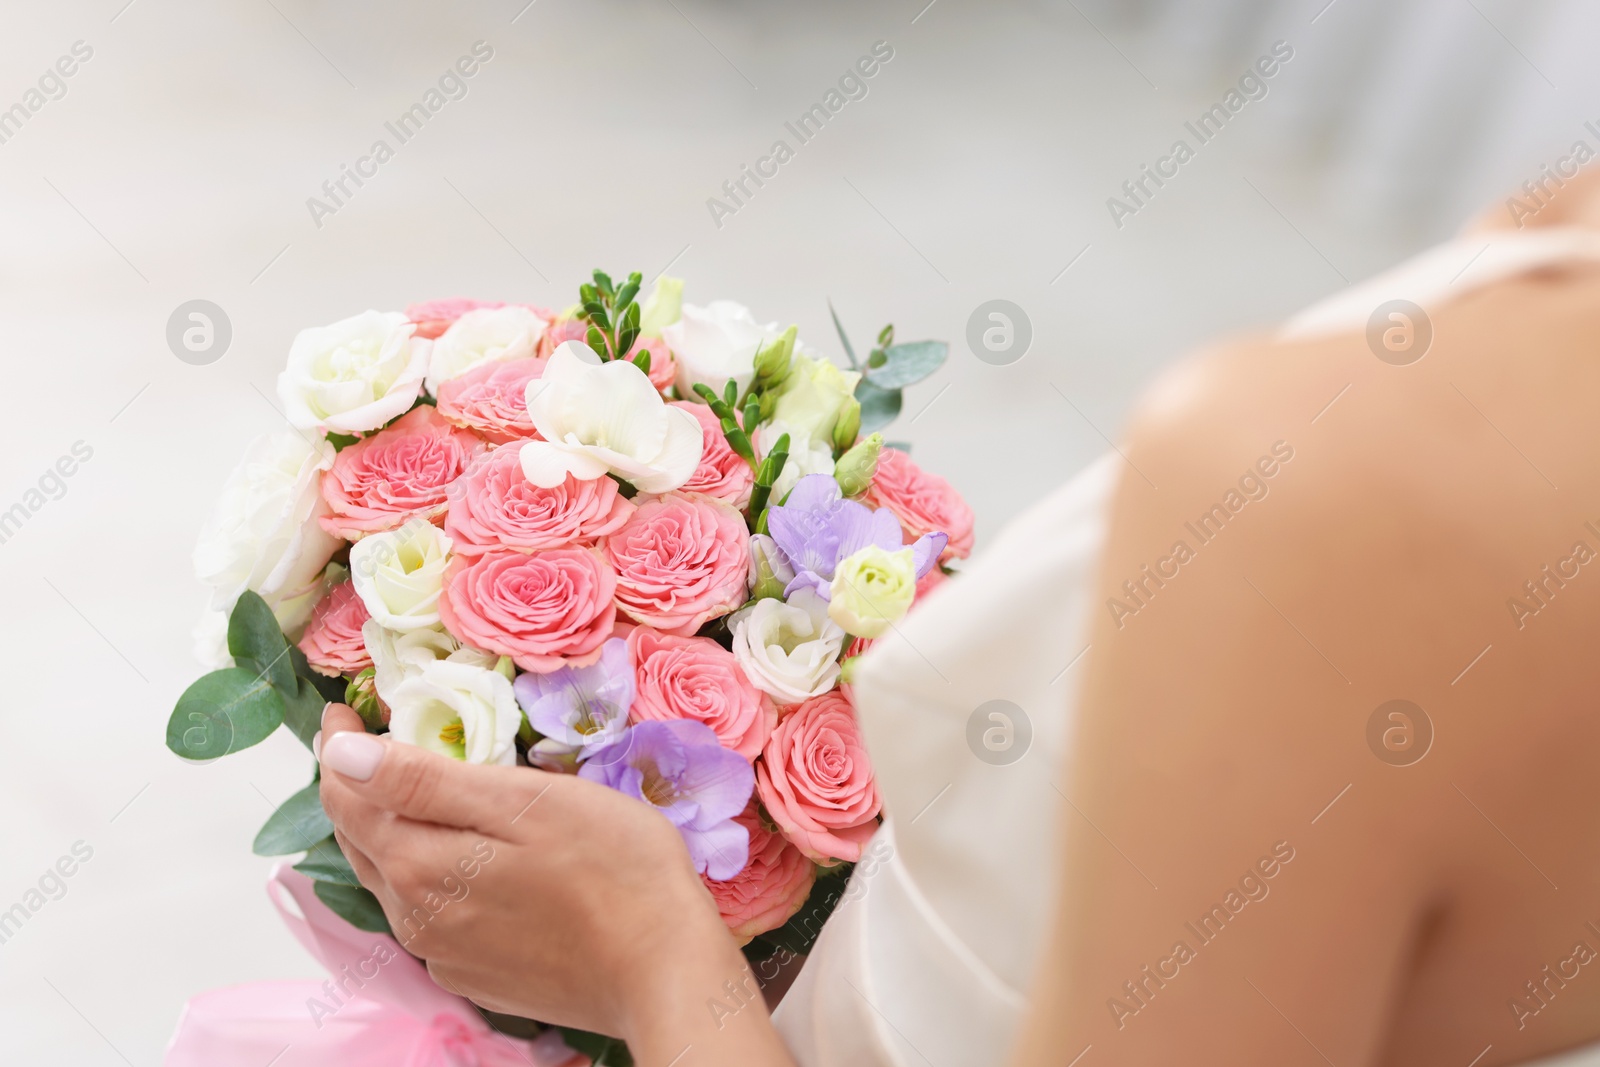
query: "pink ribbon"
379, 1008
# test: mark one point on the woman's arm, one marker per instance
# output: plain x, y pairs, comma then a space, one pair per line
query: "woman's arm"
545, 896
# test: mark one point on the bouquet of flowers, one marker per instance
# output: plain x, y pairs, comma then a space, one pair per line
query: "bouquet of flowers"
639, 542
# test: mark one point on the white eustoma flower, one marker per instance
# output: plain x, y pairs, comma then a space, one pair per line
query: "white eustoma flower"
397, 656
790, 651
599, 418
805, 455
715, 343
484, 335
872, 590
354, 375
458, 710
263, 532
399, 573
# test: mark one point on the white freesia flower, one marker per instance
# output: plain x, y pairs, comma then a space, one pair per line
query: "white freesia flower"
790, 651
715, 343
354, 375
872, 590
805, 455
398, 656
458, 710
598, 418
398, 574
263, 532
484, 335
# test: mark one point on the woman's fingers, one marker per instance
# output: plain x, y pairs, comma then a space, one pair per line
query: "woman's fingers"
422, 786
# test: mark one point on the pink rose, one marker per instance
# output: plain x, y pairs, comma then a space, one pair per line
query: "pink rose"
722, 473
434, 317
560, 332
923, 502
403, 470
545, 611
696, 678
771, 888
332, 641
816, 782
491, 399
663, 368
680, 561
495, 506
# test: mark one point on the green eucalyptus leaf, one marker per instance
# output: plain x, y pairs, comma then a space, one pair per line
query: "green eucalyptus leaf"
879, 406
222, 712
253, 634
297, 825
325, 863
909, 363
332, 689
602, 1051
899, 446
353, 904
342, 441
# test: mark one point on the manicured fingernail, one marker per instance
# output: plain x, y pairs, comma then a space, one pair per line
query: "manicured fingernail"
316, 746
324, 720
353, 755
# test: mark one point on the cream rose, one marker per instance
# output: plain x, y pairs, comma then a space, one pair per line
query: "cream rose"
398, 574
354, 375
487, 335
263, 533
790, 651
458, 710
715, 343
872, 590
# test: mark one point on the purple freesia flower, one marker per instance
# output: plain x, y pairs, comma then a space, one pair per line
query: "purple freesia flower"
677, 766
816, 528
579, 710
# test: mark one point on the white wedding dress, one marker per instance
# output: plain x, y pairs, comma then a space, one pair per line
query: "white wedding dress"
930, 958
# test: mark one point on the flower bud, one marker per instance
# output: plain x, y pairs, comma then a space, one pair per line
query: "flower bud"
663, 307
855, 468
361, 693
772, 361
770, 572
848, 426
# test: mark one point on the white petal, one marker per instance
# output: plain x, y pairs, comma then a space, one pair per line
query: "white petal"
679, 455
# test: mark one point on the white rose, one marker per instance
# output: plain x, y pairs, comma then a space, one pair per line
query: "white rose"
872, 590
211, 641
484, 335
398, 574
598, 418
815, 395
398, 656
789, 650
458, 710
263, 532
715, 343
805, 455
355, 375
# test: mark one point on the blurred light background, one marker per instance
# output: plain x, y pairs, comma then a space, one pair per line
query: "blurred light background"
178, 163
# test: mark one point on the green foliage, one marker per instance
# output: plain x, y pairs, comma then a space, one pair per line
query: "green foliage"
612, 313
766, 475
879, 406
353, 904
256, 643
222, 712
325, 863
723, 408
908, 364
297, 825
890, 368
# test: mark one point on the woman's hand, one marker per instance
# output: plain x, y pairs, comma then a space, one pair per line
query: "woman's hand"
544, 895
